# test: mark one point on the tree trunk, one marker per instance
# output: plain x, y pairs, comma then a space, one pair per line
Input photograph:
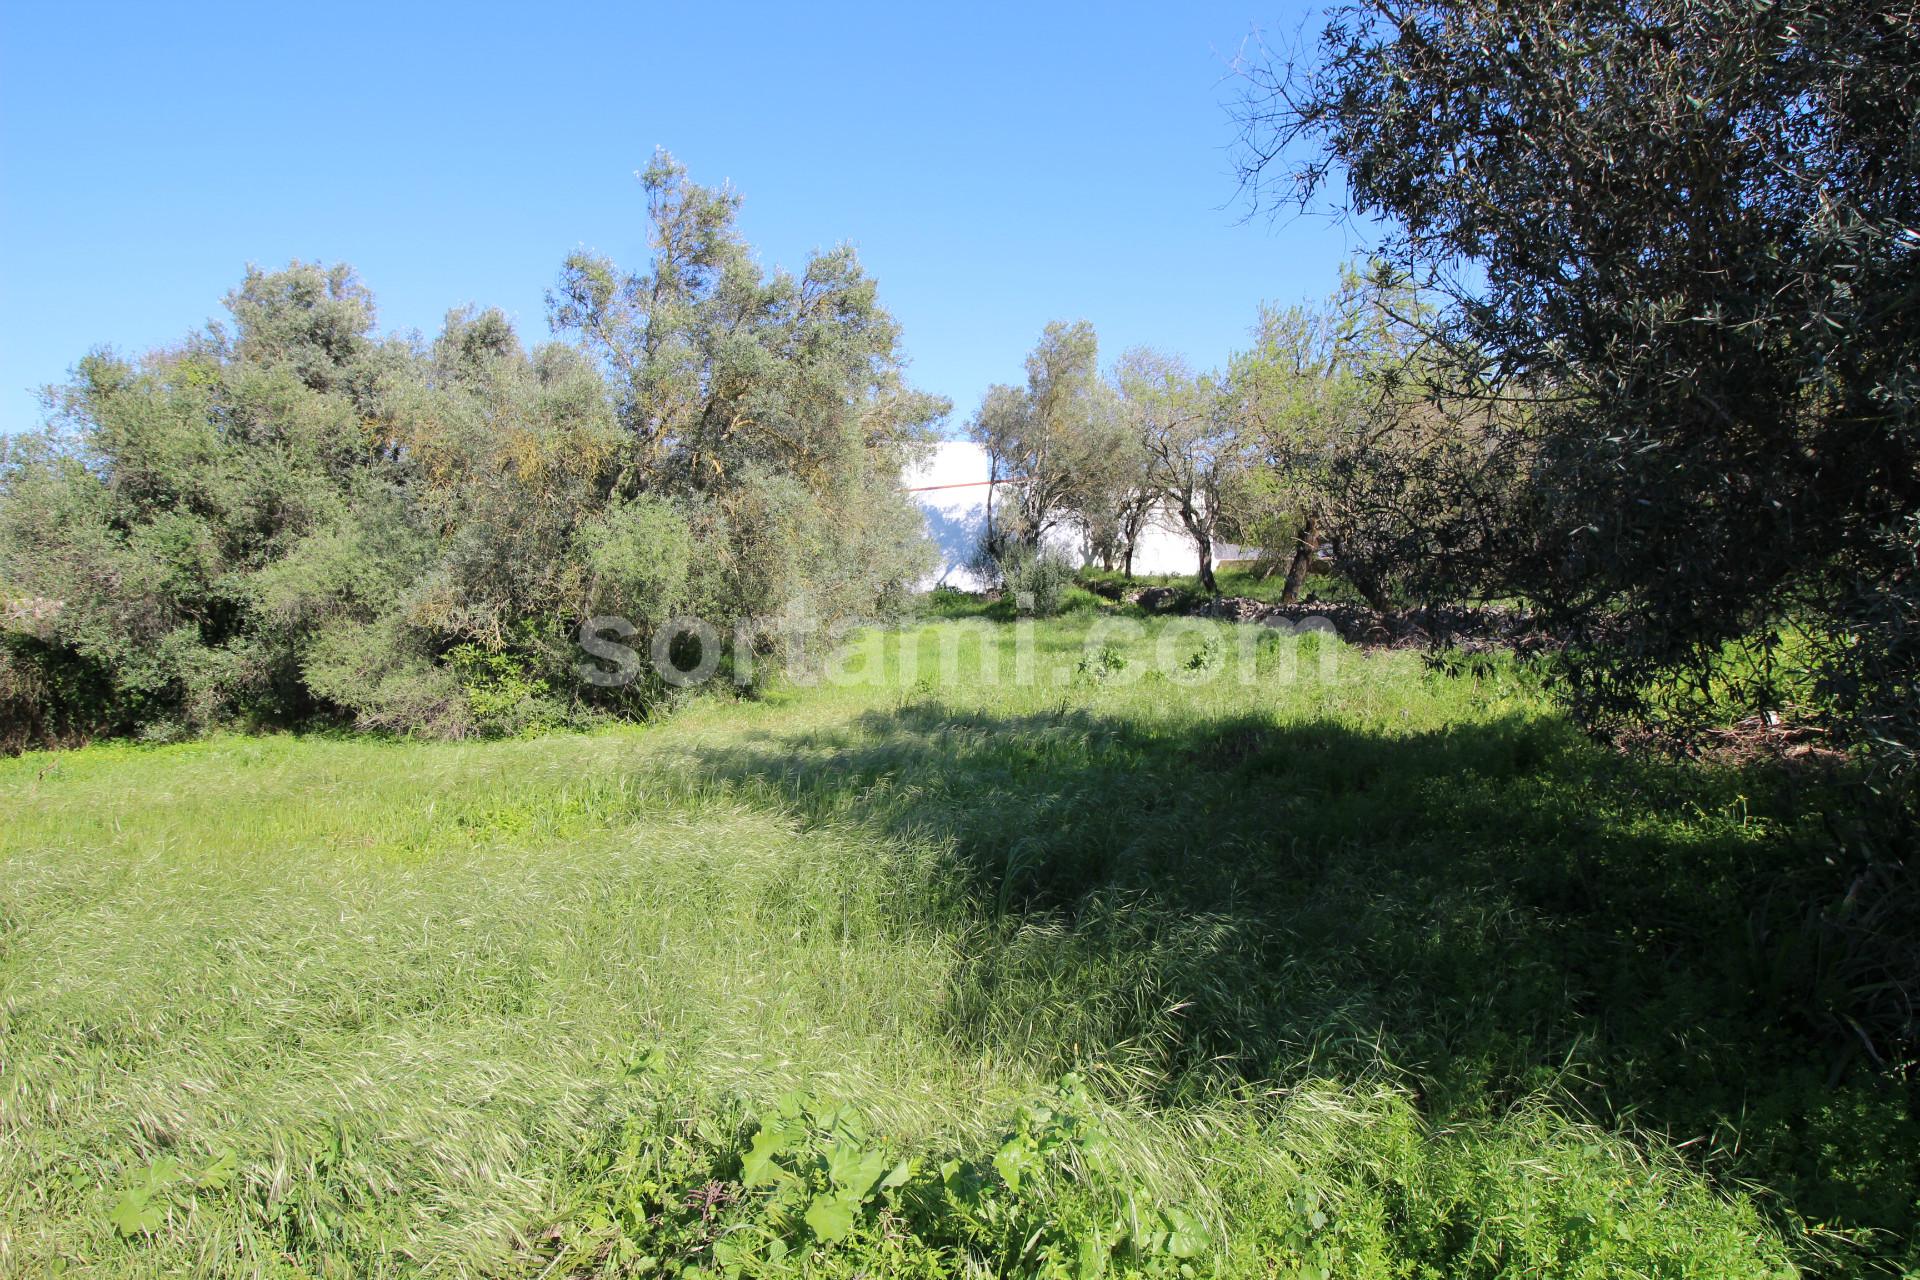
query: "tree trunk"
1364, 582
993, 481
1202, 535
1370, 591
1303, 548
1131, 527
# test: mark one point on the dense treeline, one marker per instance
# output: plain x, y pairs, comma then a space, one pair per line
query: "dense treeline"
1636, 352
289, 519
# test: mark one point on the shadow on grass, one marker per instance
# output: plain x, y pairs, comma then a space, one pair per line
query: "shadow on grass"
1482, 913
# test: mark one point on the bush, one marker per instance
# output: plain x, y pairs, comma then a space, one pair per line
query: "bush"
1038, 581
47, 696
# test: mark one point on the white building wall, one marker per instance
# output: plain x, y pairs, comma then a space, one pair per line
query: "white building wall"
952, 487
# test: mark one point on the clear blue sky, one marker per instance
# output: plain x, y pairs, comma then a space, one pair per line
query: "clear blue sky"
997, 166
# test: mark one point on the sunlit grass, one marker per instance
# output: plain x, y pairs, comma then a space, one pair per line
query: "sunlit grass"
1292, 908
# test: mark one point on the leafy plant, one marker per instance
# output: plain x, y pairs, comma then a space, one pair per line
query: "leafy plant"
1207, 656
143, 1203
818, 1167
506, 690
1103, 663
1037, 581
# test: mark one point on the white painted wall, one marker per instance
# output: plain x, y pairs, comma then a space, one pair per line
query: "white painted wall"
952, 485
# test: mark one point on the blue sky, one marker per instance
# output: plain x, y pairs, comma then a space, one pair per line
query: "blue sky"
997, 166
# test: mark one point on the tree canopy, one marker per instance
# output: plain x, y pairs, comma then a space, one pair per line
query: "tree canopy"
289, 518
1678, 245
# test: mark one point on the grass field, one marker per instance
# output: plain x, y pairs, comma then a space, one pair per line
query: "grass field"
1176, 950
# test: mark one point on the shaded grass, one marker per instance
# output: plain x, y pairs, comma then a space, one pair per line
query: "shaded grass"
1343, 942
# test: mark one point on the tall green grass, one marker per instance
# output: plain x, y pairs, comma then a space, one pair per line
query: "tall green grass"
1167, 949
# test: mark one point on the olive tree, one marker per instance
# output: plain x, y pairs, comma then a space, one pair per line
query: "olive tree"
1053, 443
771, 406
1188, 438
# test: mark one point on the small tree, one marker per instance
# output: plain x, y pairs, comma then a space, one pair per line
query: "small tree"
1186, 428
1057, 446
1314, 401
1112, 498
1292, 404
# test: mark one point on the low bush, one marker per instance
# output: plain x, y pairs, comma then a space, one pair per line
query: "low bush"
1038, 581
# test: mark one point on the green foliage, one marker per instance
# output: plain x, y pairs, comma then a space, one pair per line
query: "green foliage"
1058, 1201
151, 1192
505, 690
640, 558
1037, 581
1189, 443
1207, 657
290, 520
811, 1190
1673, 384
1308, 401
1061, 442
1102, 663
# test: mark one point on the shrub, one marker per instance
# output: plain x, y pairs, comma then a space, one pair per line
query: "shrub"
1038, 581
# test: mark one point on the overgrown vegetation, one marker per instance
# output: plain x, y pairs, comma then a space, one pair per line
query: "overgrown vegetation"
290, 519
1223, 952
1036, 581
1677, 243
1052, 936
